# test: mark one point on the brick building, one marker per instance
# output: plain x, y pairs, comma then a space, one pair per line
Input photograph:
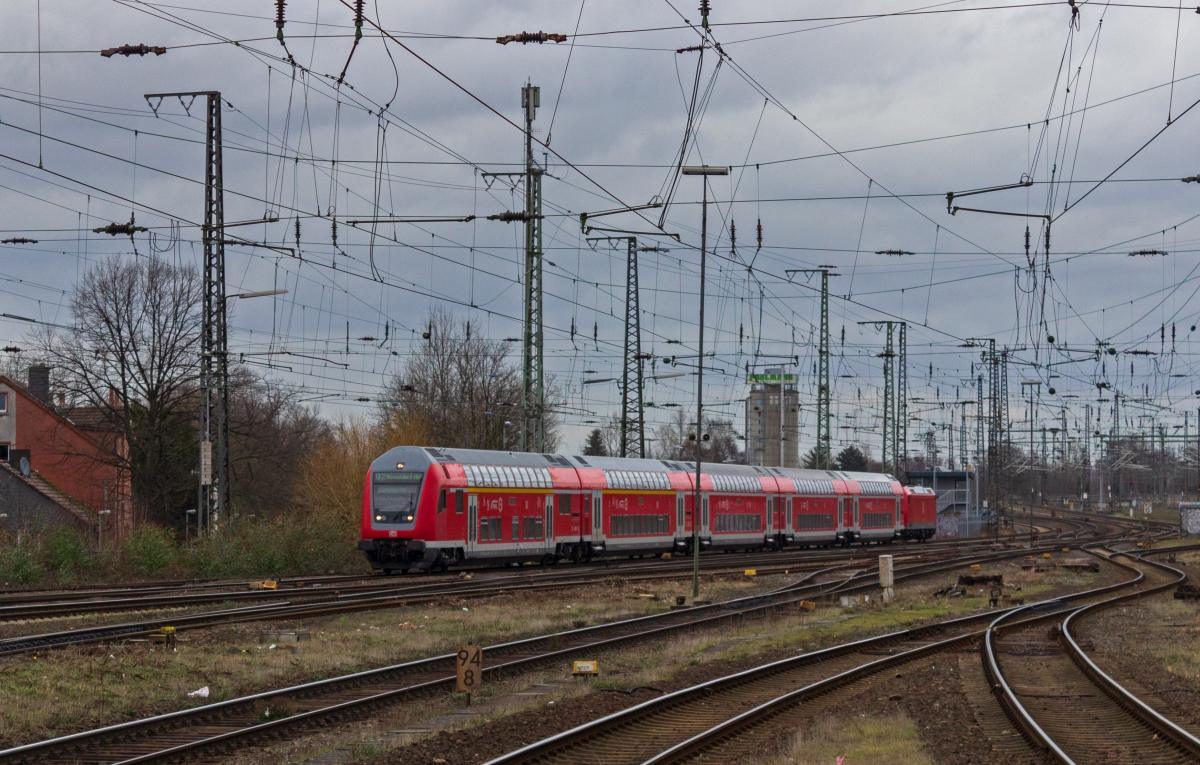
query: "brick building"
72, 469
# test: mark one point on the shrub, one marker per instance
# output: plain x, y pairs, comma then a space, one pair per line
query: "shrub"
18, 563
149, 550
63, 552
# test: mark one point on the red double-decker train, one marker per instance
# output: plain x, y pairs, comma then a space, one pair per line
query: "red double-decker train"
425, 508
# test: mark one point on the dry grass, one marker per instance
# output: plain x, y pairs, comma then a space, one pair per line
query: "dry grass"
861, 740
1181, 655
80, 688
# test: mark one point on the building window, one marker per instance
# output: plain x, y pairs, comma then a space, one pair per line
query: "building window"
3, 450
3, 402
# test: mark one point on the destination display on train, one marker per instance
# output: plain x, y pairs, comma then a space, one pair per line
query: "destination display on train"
406, 477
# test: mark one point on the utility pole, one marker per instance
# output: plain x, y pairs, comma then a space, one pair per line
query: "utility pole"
214, 494
633, 414
962, 436
824, 437
824, 391
699, 515
1086, 493
533, 431
900, 437
889, 414
979, 453
895, 396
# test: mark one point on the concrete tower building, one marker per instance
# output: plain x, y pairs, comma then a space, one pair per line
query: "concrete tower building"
773, 401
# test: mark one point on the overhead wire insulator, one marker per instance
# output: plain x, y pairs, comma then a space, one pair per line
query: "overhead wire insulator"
759, 234
141, 49
532, 37
358, 24
120, 229
732, 237
19, 240
279, 19
508, 216
705, 7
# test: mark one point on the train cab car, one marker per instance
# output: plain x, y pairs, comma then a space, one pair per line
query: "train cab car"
920, 513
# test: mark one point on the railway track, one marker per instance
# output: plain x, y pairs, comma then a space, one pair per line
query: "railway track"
236, 722
1066, 705
729, 719
332, 601
23, 605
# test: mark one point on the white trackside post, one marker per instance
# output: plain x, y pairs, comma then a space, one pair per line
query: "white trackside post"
886, 579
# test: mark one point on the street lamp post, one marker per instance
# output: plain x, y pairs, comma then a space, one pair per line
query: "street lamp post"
210, 507
187, 524
704, 171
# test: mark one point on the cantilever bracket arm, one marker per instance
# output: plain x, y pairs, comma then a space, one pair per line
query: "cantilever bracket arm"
653, 204
590, 229
1024, 183
956, 208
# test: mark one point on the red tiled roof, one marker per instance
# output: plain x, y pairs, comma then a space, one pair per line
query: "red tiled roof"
47, 490
92, 418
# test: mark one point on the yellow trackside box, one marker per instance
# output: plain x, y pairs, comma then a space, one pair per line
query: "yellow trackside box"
751, 572
266, 584
585, 668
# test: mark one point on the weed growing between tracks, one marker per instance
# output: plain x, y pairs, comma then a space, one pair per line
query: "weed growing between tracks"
889, 738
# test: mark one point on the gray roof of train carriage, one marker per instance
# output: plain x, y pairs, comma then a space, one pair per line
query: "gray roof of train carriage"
860, 476
534, 459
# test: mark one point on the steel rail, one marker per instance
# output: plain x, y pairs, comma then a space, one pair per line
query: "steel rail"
585, 734
1025, 720
593, 637
546, 748
331, 601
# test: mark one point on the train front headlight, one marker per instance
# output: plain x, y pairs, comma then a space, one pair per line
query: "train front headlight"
380, 517
408, 517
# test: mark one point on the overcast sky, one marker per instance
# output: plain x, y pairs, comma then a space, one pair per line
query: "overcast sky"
845, 135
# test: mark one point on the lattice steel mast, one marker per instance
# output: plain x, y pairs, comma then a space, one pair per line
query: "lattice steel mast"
533, 431
214, 494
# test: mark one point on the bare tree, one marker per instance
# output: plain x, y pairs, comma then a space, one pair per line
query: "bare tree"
270, 438
676, 440
132, 358
462, 386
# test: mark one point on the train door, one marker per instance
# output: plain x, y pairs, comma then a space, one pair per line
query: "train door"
789, 521
597, 519
771, 515
680, 525
704, 532
549, 525
472, 521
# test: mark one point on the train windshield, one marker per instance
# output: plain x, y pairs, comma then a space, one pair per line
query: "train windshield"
396, 491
